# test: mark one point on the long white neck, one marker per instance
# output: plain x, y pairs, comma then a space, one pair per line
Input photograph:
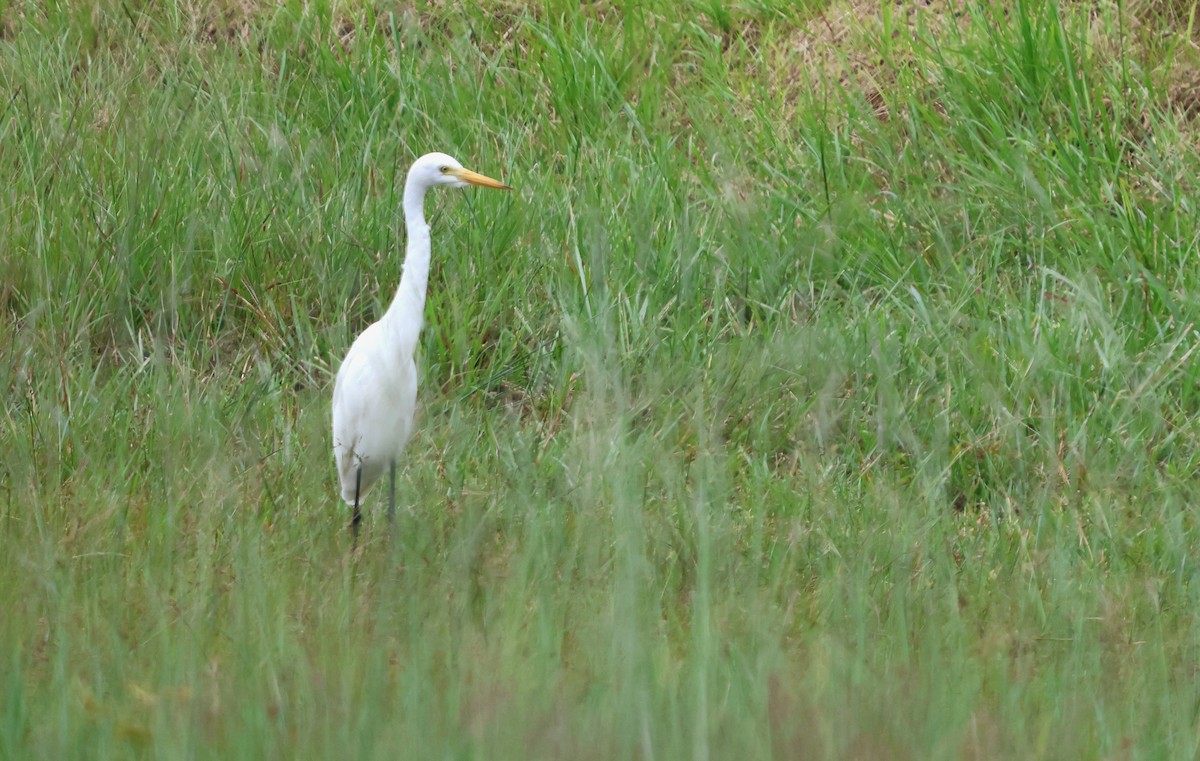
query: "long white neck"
407, 312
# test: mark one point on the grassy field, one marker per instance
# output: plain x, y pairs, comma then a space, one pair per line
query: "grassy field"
827, 389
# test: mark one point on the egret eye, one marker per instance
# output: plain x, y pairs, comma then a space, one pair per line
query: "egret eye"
443, 169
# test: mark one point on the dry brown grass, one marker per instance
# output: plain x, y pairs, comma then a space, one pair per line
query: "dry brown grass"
858, 47
878, 52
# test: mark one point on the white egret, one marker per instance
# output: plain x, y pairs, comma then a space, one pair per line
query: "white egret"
375, 394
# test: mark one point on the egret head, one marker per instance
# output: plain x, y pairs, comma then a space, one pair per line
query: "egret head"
435, 169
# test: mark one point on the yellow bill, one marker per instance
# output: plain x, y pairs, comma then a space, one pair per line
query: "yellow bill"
475, 178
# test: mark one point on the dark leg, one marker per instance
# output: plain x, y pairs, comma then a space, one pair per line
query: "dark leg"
392, 494
356, 516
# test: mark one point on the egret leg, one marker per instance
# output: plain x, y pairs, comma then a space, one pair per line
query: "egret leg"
391, 514
356, 516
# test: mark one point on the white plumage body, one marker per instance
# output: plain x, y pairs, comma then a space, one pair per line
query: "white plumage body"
374, 402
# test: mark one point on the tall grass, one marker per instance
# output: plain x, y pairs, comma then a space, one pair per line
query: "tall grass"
804, 401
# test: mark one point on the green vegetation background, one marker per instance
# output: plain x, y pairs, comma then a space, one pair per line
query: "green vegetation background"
826, 389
